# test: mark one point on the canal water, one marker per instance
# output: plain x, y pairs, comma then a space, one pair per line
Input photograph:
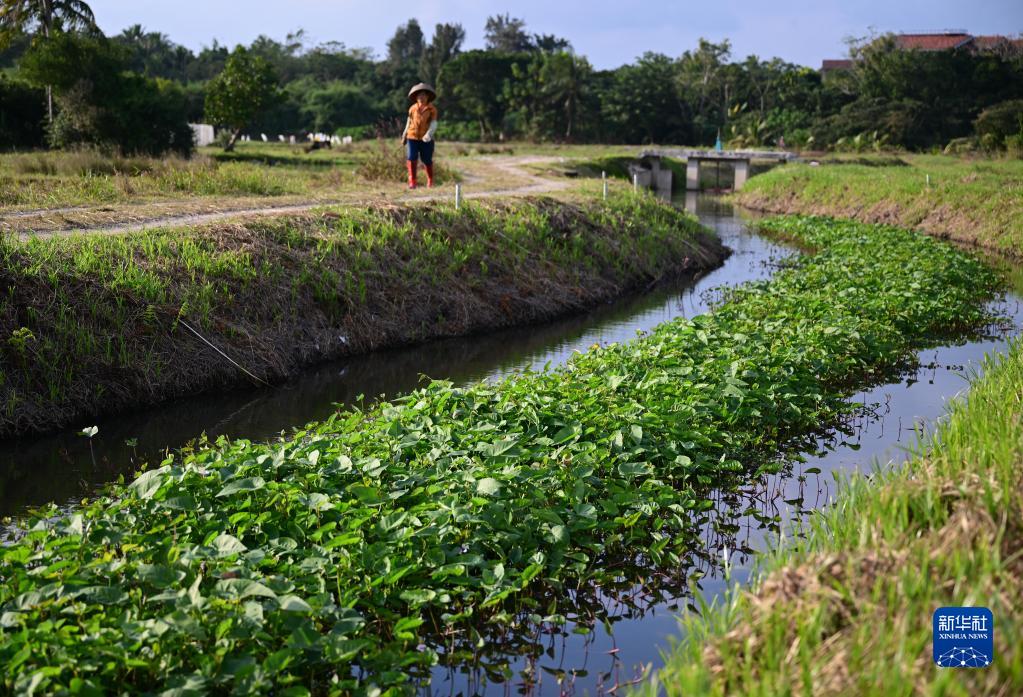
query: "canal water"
620, 634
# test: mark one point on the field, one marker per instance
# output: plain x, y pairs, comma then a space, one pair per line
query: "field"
977, 202
356, 553
378, 541
47, 192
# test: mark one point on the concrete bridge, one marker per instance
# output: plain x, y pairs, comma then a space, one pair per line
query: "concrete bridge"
650, 174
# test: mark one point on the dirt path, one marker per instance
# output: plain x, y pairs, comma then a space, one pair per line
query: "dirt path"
495, 171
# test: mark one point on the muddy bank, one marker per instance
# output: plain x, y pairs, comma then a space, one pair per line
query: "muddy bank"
91, 326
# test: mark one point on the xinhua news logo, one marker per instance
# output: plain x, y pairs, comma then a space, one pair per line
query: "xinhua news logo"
964, 637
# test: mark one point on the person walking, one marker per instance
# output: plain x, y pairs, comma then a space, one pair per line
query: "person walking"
419, 130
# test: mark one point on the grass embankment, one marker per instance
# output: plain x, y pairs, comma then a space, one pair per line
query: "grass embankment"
847, 608
977, 202
90, 324
371, 545
40, 180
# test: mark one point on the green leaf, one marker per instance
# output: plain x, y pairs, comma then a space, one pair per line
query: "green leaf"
240, 485
148, 483
243, 588
292, 603
226, 545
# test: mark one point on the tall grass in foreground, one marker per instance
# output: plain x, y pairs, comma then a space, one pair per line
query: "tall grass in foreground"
847, 608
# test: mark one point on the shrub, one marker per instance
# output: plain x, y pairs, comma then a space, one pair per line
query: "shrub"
998, 122
22, 113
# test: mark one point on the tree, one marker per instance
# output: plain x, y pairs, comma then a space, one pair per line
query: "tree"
549, 43
546, 93
245, 89
406, 46
643, 104
44, 17
446, 44
701, 81
507, 34
153, 54
473, 84
101, 103
22, 115
336, 104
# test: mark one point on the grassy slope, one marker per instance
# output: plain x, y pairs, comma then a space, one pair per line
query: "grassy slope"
91, 324
974, 201
847, 610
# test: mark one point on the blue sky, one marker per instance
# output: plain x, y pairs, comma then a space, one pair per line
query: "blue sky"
608, 33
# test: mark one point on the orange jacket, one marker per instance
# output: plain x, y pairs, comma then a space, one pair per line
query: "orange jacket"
419, 120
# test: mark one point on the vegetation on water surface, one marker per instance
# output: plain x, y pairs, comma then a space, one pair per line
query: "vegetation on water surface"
364, 548
845, 607
974, 201
113, 316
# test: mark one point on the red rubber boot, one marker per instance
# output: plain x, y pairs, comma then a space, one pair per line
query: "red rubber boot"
429, 176
412, 173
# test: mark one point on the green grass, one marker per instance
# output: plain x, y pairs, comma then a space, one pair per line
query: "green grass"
349, 555
973, 201
846, 607
59, 179
279, 293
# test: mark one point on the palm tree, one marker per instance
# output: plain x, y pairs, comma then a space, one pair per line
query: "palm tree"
42, 17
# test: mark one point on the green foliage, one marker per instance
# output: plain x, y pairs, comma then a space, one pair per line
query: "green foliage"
333, 105
246, 88
473, 88
101, 105
641, 104
976, 202
346, 556
112, 303
549, 94
874, 562
22, 114
920, 99
999, 122
445, 45
507, 34
43, 17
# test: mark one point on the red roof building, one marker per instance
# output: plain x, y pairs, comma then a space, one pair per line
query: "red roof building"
942, 41
932, 42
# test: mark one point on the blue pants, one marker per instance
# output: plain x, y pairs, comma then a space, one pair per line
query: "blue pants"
420, 149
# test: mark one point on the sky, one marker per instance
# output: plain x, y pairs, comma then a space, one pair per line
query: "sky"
608, 33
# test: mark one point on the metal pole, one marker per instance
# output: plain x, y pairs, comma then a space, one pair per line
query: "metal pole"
458, 196
635, 183
603, 176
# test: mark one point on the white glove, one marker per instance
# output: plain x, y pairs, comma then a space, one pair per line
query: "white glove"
429, 132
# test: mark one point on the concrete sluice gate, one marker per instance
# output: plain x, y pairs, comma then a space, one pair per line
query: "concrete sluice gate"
649, 172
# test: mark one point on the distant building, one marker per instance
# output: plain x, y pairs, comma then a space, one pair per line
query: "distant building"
831, 65
203, 133
950, 40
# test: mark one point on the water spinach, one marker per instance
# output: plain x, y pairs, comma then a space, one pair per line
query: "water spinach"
345, 557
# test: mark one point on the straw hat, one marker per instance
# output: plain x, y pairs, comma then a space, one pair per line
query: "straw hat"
422, 87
